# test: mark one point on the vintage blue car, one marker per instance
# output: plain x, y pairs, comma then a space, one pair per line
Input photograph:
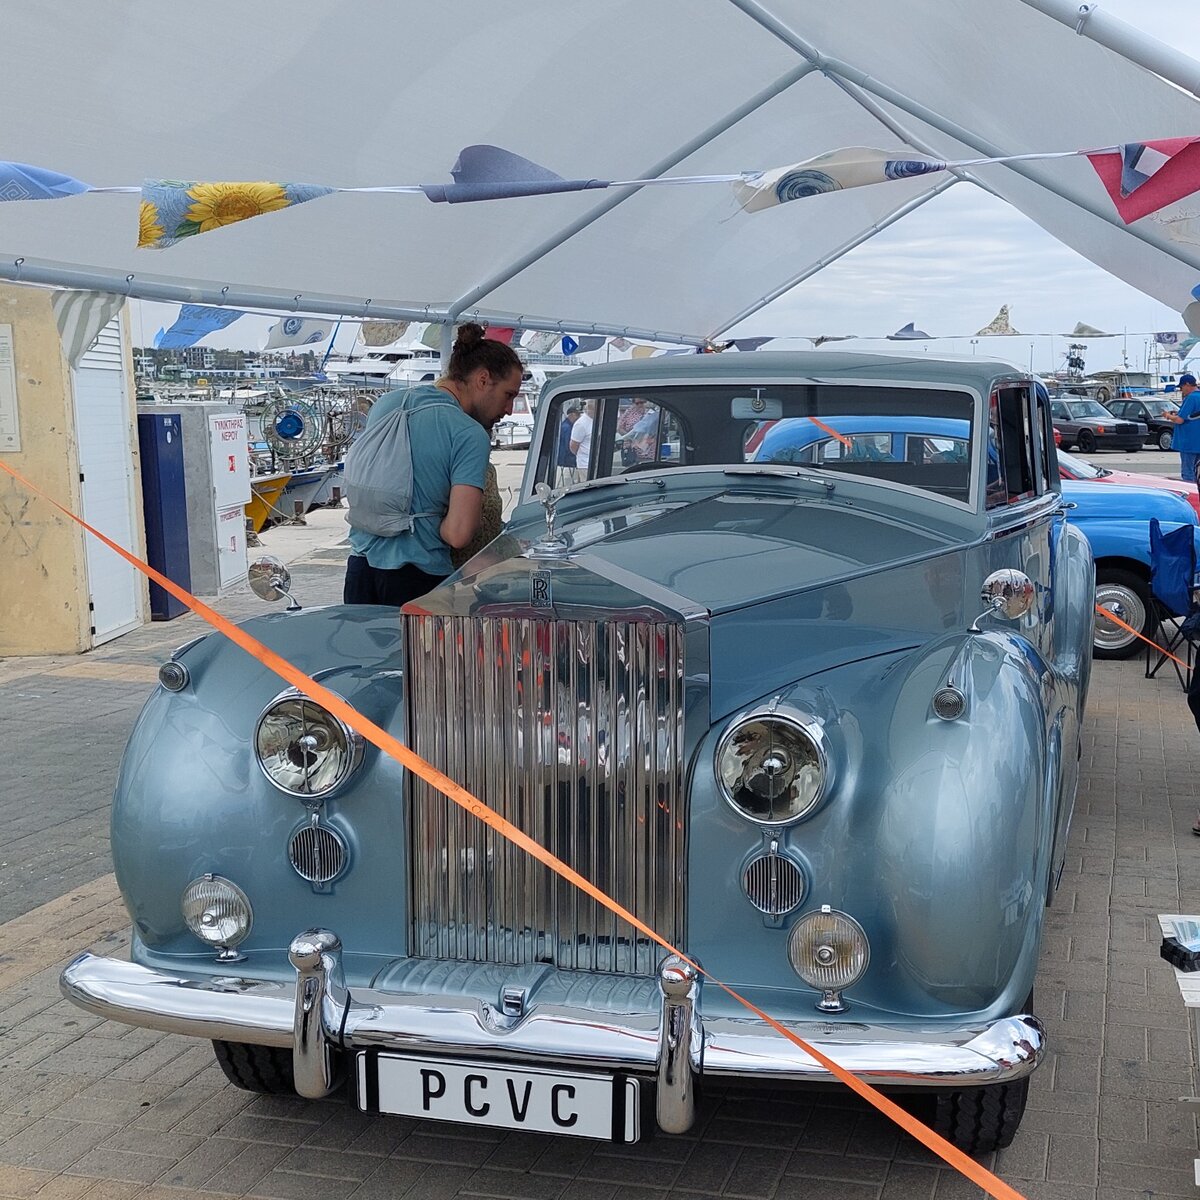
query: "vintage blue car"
815, 723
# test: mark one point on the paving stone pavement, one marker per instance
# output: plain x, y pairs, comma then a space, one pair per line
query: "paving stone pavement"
90, 1108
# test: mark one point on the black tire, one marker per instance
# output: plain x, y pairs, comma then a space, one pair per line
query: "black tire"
1164, 440
979, 1120
1128, 596
265, 1069
1086, 441
1103, 395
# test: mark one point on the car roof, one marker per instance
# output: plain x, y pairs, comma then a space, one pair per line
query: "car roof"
766, 367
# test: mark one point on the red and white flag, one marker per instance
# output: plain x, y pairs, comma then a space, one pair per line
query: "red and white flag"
1142, 177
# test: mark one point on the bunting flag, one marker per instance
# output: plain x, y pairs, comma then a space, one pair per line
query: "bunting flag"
539, 341
855, 166
1142, 177
20, 181
382, 333
587, 343
754, 343
298, 331
569, 345
172, 210
1171, 341
908, 334
432, 337
643, 351
80, 317
194, 322
499, 333
998, 326
619, 343
831, 337
491, 173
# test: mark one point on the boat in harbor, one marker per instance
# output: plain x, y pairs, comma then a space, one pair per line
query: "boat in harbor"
265, 493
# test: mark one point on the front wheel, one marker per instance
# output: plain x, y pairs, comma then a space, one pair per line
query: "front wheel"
978, 1120
265, 1069
1164, 440
1086, 441
1127, 596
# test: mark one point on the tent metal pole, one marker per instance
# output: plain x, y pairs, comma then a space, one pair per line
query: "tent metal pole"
986, 149
834, 255
701, 140
447, 344
1089, 21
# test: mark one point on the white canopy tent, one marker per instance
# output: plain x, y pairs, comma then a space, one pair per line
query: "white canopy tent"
376, 93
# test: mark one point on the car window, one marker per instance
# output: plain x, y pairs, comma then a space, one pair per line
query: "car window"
911, 436
1059, 411
1011, 474
1079, 468
1080, 409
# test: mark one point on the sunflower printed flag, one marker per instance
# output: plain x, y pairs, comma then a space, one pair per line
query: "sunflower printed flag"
174, 209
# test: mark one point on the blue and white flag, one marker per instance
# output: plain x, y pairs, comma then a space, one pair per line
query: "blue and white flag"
298, 331
1171, 341
194, 322
569, 345
20, 181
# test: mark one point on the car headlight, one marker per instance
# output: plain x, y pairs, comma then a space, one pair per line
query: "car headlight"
218, 912
830, 952
772, 766
303, 749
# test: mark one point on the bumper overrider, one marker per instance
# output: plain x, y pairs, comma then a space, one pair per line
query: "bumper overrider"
319, 1018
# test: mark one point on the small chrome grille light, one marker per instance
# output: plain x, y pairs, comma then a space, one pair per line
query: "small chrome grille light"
218, 912
318, 853
829, 951
949, 703
173, 676
773, 884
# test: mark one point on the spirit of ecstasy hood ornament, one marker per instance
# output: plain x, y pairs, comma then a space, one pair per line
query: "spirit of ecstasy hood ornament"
549, 542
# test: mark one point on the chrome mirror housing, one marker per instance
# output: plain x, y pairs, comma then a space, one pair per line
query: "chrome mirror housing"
1008, 593
271, 580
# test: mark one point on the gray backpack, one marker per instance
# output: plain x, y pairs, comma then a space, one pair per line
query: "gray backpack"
379, 474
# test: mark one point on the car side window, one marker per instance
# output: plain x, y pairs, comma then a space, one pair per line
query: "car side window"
1011, 458
646, 435
1059, 411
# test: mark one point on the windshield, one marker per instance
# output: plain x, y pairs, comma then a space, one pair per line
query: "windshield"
1078, 468
1086, 408
914, 436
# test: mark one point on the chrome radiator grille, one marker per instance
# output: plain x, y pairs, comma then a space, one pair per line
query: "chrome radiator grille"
573, 731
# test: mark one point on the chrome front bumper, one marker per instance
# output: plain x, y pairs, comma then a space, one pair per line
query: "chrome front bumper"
319, 1016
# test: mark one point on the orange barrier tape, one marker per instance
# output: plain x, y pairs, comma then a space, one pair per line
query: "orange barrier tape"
841, 437
1104, 612
967, 1166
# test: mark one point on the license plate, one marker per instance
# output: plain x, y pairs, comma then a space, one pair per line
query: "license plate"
604, 1107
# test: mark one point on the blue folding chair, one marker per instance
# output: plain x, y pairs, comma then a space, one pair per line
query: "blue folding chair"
1176, 615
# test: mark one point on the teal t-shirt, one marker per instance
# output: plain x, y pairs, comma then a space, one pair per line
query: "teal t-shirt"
448, 448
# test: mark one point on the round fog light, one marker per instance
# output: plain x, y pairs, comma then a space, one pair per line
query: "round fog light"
218, 912
829, 951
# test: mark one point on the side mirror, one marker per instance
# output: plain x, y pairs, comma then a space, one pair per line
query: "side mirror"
271, 580
1007, 593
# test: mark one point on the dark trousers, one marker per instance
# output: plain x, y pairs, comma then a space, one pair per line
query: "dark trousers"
366, 584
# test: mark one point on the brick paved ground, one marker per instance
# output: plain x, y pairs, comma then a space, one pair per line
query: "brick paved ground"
96, 1109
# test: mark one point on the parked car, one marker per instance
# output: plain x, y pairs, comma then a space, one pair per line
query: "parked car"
815, 722
1088, 425
515, 429
1116, 522
1070, 467
1151, 411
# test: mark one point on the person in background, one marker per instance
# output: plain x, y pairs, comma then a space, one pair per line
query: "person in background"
566, 457
581, 439
450, 435
1186, 438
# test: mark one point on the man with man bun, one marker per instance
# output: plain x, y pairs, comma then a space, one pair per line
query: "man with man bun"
449, 429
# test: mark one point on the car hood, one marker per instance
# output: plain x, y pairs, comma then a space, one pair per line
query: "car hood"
784, 587
1100, 499
713, 555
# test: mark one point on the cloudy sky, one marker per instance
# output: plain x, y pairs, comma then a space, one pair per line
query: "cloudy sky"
946, 267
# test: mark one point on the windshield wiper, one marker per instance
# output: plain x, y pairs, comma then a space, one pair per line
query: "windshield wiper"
782, 471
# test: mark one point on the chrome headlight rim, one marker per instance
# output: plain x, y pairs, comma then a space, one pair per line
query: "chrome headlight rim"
855, 928
355, 746
233, 894
803, 723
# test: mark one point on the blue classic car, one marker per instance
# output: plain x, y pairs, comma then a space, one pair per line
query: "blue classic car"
814, 722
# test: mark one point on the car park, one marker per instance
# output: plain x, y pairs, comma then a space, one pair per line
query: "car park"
1151, 411
1087, 425
814, 721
